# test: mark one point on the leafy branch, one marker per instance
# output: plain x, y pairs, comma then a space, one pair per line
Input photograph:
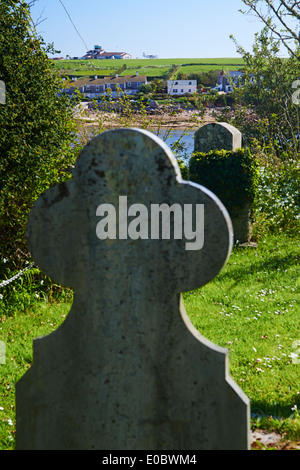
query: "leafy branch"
281, 17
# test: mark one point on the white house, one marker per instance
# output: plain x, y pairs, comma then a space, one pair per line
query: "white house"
180, 87
227, 80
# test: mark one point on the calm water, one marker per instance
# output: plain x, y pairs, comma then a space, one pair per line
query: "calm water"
187, 138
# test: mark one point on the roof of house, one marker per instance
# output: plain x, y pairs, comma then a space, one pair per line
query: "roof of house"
102, 53
112, 53
108, 80
231, 73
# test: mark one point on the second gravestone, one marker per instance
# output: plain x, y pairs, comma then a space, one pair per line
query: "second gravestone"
224, 136
127, 370
217, 136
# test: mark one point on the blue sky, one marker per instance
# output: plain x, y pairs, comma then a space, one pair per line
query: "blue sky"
169, 29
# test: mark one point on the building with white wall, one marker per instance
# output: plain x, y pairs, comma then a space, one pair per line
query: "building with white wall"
180, 87
99, 53
227, 80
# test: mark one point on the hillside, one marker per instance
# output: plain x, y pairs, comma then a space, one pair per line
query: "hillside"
152, 68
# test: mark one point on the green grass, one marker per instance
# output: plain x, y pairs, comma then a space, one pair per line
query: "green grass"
18, 332
189, 69
149, 67
149, 71
251, 308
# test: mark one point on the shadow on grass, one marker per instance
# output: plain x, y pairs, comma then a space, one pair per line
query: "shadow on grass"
272, 264
280, 410
279, 418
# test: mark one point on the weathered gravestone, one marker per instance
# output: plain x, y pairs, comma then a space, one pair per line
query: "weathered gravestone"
127, 370
217, 136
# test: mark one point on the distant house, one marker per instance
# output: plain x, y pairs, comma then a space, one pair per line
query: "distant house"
99, 53
96, 87
181, 87
226, 80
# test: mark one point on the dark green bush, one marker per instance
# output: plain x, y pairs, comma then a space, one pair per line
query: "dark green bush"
37, 137
183, 169
231, 175
29, 287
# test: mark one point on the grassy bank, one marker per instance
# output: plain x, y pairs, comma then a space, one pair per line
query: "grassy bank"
251, 308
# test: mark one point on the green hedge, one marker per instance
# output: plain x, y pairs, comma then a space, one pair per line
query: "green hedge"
231, 175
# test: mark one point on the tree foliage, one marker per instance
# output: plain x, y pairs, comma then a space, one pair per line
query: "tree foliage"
266, 110
206, 79
282, 18
36, 130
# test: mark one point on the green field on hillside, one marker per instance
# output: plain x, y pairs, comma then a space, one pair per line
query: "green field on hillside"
149, 67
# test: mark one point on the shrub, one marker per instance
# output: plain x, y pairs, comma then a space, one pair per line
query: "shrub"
277, 201
183, 169
171, 72
29, 286
37, 130
231, 175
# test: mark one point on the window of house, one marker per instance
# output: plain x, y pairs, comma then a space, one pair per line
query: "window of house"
175, 90
190, 90
190, 83
176, 83
181, 90
87, 87
97, 88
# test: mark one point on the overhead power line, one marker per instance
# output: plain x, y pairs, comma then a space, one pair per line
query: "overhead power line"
86, 47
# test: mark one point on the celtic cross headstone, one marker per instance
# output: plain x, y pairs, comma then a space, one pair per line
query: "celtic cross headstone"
127, 370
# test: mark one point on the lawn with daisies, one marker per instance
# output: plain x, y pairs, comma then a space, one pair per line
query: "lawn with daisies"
252, 309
